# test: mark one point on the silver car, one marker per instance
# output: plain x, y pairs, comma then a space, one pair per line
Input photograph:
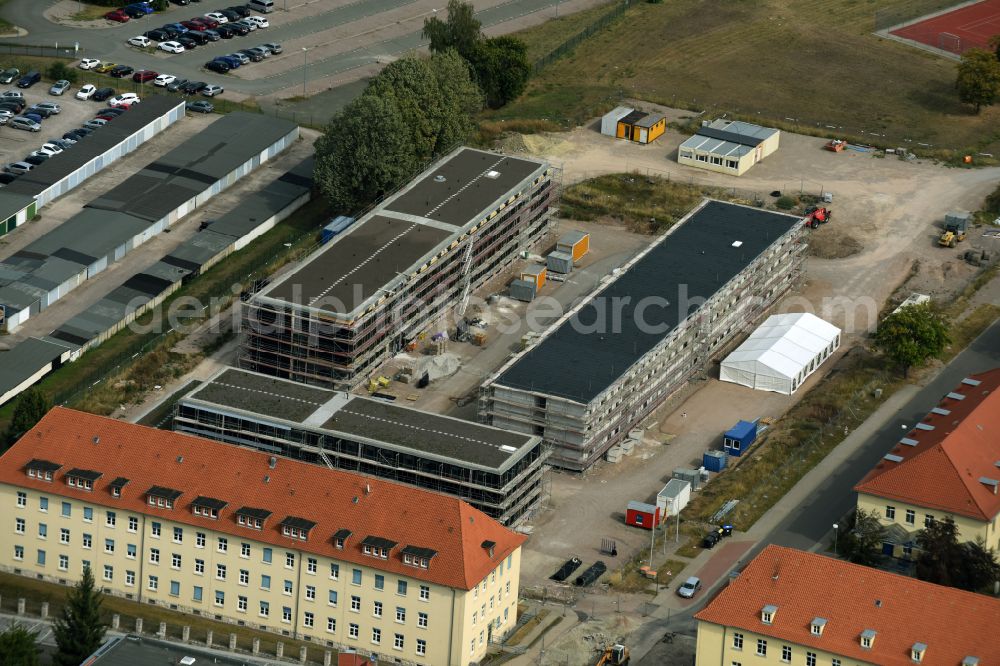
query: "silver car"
18, 168
690, 587
59, 87
22, 123
53, 108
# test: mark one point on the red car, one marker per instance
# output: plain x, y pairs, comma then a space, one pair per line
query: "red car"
144, 75
191, 25
211, 23
117, 15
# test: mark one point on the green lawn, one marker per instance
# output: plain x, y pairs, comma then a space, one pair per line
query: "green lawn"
814, 64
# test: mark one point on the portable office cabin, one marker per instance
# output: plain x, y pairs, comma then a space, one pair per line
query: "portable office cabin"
714, 461
641, 127
609, 121
536, 275
640, 514
728, 146
523, 290
559, 262
739, 438
575, 243
674, 497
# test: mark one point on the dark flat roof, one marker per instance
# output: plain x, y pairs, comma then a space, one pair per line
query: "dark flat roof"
573, 362
134, 650
356, 264
732, 137
266, 398
632, 117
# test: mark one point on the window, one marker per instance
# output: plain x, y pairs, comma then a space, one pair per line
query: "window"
810, 659
376, 635
377, 609
421, 647
88, 514
220, 571
110, 520
244, 550
311, 565
400, 614
475, 616
761, 647
63, 562
109, 546
836, 662
332, 598
18, 552
130, 551
22, 499
196, 593
265, 582
401, 588
43, 530
266, 556
355, 603
178, 535
286, 614
175, 588
911, 516
425, 592
866, 641
334, 571
311, 592
352, 630
472, 646
199, 567
63, 535
422, 620
87, 541
288, 587
356, 577
19, 525
379, 582
737, 641
265, 609
129, 578
786, 653
67, 509
890, 512
133, 523
244, 577
308, 619
331, 624
223, 545
175, 560
289, 560
43, 503
154, 555
928, 519
153, 584
397, 641
220, 598
241, 604
199, 539
155, 529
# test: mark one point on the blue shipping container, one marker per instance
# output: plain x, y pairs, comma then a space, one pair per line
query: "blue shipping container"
714, 461
739, 438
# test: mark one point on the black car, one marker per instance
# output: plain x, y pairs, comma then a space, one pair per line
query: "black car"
158, 35
44, 113
255, 56
111, 111
231, 14
181, 2
37, 160
226, 32
241, 10
200, 37
102, 94
78, 133
193, 87
7, 178
133, 12
176, 84
29, 79
187, 42
217, 66
12, 105
239, 28
172, 32
120, 72
212, 35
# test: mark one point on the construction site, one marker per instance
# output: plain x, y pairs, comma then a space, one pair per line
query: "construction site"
378, 287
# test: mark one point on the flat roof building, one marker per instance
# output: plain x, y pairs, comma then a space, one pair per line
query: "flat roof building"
376, 286
496, 471
280, 545
728, 146
605, 365
131, 650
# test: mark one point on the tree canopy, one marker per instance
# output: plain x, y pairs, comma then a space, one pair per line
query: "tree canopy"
18, 646
31, 406
978, 81
862, 544
912, 335
79, 629
502, 69
459, 31
945, 561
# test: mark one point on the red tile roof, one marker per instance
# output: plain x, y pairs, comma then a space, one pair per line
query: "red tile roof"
333, 499
957, 445
851, 598
348, 658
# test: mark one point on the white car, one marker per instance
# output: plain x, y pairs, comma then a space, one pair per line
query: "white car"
171, 47
49, 149
89, 63
86, 92
260, 21
125, 99
140, 41
216, 16
5, 115
164, 80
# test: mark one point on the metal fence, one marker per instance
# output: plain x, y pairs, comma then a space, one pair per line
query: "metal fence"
616, 12
56, 50
912, 12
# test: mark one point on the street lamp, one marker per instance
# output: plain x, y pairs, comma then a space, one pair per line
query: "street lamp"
836, 534
305, 51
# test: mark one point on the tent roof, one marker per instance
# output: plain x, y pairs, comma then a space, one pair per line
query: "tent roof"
784, 344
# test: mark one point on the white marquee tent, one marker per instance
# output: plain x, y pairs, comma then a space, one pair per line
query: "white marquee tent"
781, 353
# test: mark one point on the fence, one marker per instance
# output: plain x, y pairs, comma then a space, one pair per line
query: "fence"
911, 13
616, 12
51, 51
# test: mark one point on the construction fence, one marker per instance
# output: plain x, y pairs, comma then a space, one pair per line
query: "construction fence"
616, 12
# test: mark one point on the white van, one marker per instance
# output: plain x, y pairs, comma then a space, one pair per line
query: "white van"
262, 6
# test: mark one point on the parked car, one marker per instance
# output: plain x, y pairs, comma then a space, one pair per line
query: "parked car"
59, 87
105, 67
273, 47
49, 149
18, 168
102, 94
255, 55
12, 104
30, 115
241, 11
133, 12
8, 75
121, 71
260, 21
229, 60
187, 42
227, 32
164, 80
118, 16
124, 100
232, 14
212, 90
178, 28
53, 108
145, 6
176, 85
89, 63
65, 144
157, 35
218, 17
87, 91
206, 21
12, 94
29, 79
181, 3
144, 75
7, 178
141, 41
218, 66
243, 59
111, 111
5, 115
171, 47
95, 123
199, 38
251, 26
689, 587
200, 107
194, 87
239, 27
171, 31
77, 134
191, 25
32, 111
36, 158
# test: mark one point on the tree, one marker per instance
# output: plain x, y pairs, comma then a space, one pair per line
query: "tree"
18, 646
995, 43
980, 568
912, 335
364, 154
862, 544
978, 81
411, 84
460, 31
79, 629
939, 560
31, 406
502, 69
58, 70
461, 97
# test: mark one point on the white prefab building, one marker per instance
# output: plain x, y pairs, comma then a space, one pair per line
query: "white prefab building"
609, 121
781, 353
728, 146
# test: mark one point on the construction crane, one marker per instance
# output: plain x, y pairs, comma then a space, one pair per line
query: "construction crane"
466, 277
614, 655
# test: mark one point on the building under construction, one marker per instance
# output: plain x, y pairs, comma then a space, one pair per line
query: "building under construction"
617, 356
373, 289
498, 472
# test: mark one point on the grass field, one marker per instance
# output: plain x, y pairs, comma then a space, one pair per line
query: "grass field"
815, 64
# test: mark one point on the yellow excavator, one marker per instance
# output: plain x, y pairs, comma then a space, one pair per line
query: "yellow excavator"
954, 232
614, 655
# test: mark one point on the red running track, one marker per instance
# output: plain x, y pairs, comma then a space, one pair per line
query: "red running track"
973, 25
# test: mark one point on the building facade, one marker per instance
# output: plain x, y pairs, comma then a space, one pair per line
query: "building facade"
792, 607
728, 146
375, 288
603, 367
948, 465
211, 529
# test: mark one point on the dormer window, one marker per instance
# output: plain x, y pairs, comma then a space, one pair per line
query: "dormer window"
418, 557
207, 507
489, 547
161, 497
83, 479
817, 625
340, 538
868, 638
917, 652
767, 614
377, 547
43, 470
117, 485
252, 518
296, 528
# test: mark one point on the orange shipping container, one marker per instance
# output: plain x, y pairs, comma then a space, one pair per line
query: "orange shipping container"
536, 275
576, 244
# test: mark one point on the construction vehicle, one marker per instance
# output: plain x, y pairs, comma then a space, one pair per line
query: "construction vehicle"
955, 228
817, 215
835, 145
375, 384
615, 655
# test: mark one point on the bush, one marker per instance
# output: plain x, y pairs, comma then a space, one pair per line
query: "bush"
785, 203
992, 204
58, 70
